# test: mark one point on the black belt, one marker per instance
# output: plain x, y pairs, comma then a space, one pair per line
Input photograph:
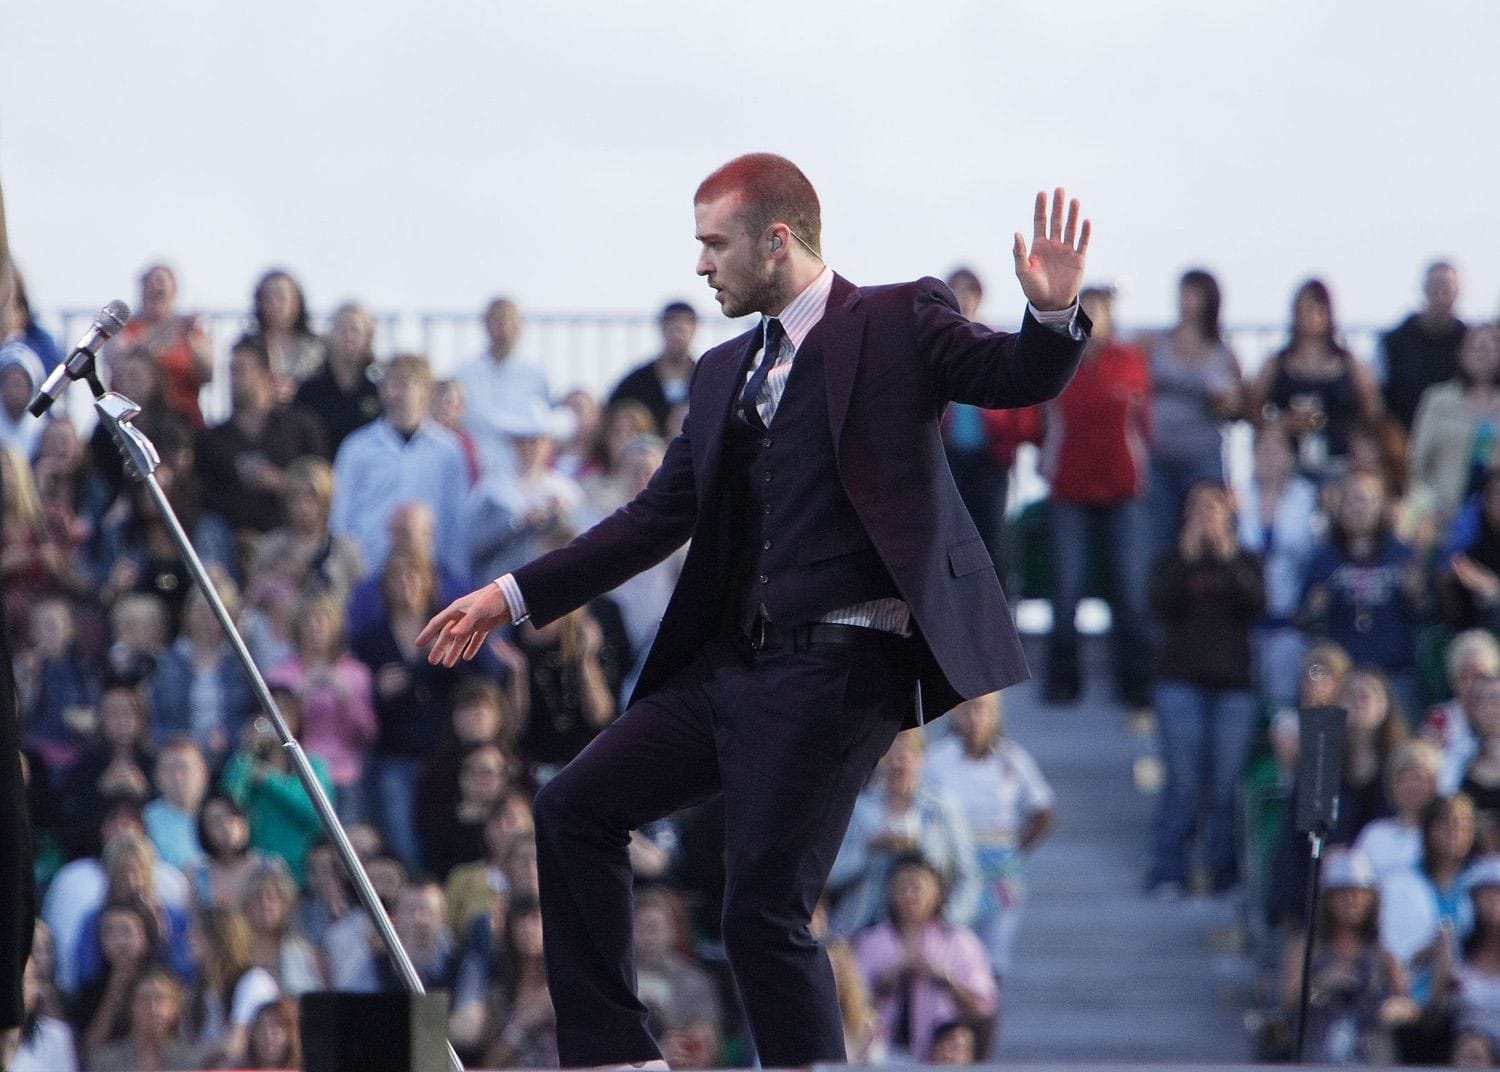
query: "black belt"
766, 636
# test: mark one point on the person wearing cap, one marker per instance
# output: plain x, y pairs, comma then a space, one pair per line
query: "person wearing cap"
510, 513
1358, 991
404, 456
662, 382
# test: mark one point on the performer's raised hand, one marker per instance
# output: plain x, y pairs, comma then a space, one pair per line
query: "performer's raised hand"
458, 631
1051, 273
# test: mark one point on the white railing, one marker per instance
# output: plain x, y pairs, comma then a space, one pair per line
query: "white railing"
587, 350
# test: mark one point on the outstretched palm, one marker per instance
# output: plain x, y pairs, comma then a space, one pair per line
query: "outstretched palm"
1051, 274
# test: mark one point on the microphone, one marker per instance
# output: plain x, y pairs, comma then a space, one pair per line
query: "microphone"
80, 363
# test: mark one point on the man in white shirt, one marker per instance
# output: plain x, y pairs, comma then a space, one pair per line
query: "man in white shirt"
403, 457
502, 389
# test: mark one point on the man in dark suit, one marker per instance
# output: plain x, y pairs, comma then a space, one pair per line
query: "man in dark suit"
833, 569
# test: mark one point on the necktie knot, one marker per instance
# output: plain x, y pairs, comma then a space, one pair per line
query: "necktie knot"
770, 351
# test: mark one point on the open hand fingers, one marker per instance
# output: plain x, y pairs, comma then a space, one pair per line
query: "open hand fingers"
1055, 224
1018, 250
431, 630
1070, 229
1039, 218
1083, 238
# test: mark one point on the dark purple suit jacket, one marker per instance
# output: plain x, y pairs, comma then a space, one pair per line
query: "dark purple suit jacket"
894, 356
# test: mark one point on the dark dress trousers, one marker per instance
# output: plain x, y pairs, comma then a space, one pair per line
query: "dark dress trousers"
17, 886
844, 499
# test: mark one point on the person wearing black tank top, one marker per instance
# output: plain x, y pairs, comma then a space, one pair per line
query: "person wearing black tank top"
1315, 387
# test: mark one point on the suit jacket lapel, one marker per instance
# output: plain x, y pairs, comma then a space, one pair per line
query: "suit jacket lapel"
721, 385
843, 331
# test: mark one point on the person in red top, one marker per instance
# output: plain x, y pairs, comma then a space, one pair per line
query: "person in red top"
179, 343
1094, 455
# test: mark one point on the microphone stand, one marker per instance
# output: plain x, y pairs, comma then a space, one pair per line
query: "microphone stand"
141, 459
1315, 867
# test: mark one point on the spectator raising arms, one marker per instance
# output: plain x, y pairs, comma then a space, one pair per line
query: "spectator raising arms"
1207, 593
922, 970
178, 344
334, 694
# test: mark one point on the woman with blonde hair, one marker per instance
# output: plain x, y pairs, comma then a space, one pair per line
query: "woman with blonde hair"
304, 552
336, 695
230, 986
34, 560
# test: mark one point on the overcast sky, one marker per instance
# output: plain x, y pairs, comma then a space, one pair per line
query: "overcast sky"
426, 156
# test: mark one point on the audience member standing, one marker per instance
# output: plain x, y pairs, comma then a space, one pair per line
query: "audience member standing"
403, 457
501, 387
342, 393
178, 343
1007, 805
1316, 386
1423, 349
1456, 429
1196, 390
1207, 593
279, 324
662, 382
242, 462
1095, 457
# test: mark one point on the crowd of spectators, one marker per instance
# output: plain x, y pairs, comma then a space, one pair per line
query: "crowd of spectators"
1350, 560
190, 895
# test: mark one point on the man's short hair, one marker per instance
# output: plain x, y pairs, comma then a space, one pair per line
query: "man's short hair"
770, 188
965, 277
677, 308
413, 365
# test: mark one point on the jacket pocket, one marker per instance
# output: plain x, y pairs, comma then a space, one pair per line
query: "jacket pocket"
968, 557
831, 543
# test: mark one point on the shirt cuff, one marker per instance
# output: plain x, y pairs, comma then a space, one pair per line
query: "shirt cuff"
1062, 321
512, 593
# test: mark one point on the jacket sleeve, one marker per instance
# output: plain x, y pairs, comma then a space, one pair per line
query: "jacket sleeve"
992, 369
632, 539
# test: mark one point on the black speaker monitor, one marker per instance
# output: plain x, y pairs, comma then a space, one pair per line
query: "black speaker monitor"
374, 1032
1321, 768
